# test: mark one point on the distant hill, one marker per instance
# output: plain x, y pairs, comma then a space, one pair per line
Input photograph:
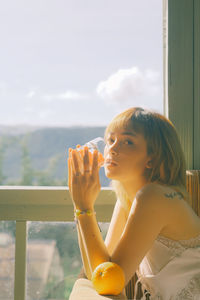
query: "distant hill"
16, 130
42, 152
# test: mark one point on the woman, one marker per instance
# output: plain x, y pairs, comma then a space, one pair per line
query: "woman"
153, 230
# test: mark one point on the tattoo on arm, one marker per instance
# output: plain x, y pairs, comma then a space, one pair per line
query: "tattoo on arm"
174, 194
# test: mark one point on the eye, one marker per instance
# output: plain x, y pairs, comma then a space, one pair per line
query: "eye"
110, 140
128, 142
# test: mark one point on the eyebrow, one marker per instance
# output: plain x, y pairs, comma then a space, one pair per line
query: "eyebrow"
127, 133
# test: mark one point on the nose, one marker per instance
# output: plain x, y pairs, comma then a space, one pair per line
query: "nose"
113, 152
113, 149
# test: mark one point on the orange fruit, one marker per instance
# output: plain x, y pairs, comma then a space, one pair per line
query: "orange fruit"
108, 278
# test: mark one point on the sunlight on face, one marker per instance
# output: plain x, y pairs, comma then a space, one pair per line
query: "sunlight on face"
125, 155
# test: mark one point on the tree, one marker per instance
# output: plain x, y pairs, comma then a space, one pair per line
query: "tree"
47, 176
27, 173
2, 153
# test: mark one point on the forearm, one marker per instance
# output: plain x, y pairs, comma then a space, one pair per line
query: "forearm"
96, 250
87, 268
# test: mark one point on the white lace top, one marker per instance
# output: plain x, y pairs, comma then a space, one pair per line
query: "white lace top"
171, 270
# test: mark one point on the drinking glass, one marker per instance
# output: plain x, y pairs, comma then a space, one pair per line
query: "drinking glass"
95, 144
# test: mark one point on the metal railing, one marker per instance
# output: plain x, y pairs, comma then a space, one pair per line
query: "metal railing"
34, 203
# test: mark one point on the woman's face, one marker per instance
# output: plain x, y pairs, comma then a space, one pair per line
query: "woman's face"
125, 155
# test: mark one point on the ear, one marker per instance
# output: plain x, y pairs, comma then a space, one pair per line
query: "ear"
149, 164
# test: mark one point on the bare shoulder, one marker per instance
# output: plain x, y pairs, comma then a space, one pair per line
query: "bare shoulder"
163, 192
154, 193
181, 220
150, 199
163, 199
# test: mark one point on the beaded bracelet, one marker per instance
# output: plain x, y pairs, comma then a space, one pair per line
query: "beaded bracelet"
78, 212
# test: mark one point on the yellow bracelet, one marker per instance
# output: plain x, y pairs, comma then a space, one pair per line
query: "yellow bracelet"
78, 212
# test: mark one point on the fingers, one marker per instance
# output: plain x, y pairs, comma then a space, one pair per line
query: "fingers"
73, 168
69, 168
75, 164
89, 163
95, 162
69, 173
70, 152
86, 162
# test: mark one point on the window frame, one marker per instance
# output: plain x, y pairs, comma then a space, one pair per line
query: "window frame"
181, 48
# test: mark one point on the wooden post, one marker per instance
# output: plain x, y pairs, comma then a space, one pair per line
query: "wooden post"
20, 261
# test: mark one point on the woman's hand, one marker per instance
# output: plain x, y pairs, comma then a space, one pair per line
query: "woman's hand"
83, 178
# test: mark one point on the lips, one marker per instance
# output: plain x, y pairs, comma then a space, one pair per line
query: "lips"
111, 162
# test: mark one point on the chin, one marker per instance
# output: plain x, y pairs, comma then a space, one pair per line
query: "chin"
111, 174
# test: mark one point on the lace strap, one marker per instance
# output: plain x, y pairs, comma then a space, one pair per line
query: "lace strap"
191, 290
179, 244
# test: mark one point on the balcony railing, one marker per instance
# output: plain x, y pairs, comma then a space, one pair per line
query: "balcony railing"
22, 204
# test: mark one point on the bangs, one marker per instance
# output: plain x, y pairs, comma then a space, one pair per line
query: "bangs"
126, 120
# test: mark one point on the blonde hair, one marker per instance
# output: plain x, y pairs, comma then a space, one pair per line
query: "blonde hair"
163, 145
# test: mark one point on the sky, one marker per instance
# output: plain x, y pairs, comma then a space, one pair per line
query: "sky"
75, 62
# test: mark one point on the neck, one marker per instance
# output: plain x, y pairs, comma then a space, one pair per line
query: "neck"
133, 187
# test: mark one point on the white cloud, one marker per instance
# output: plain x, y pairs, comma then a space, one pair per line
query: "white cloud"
3, 88
130, 86
66, 96
3, 84
31, 94
45, 114
28, 110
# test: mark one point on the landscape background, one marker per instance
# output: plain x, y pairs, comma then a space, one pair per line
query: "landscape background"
53, 259
64, 75
38, 155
